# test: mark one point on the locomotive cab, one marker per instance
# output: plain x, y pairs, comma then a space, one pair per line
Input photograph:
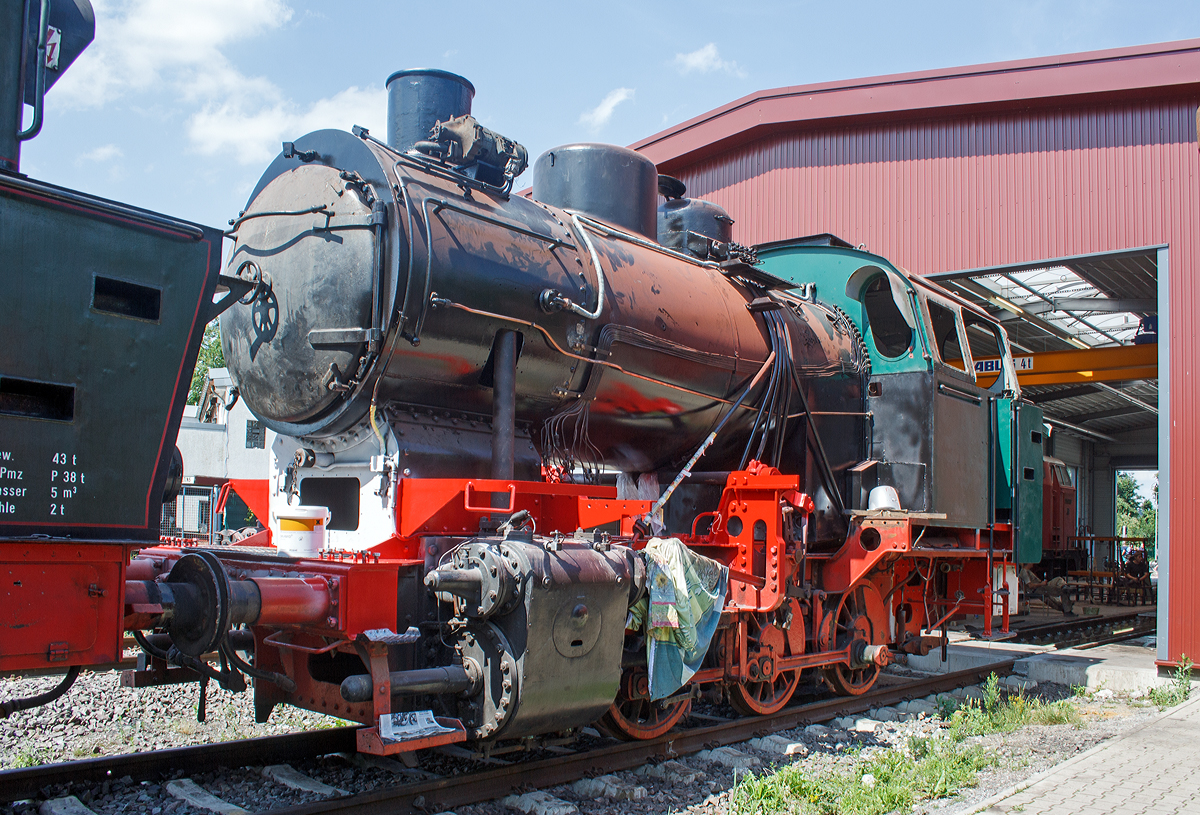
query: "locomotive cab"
946, 426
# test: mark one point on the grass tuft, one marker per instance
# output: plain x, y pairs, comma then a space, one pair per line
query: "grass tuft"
932, 768
30, 757
997, 714
1179, 689
927, 768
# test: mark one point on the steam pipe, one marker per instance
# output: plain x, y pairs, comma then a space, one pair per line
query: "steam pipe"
447, 679
504, 405
462, 582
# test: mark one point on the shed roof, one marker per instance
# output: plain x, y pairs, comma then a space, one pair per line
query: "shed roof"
1139, 72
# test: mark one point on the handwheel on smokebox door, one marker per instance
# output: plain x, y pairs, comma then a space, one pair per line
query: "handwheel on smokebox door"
770, 635
861, 615
634, 716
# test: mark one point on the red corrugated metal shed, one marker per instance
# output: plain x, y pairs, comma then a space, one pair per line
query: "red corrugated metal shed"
985, 166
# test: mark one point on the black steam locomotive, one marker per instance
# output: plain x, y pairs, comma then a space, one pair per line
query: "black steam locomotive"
547, 461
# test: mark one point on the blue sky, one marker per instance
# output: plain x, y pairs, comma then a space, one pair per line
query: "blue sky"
179, 105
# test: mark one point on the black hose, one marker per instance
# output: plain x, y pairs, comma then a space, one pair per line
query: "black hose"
786, 410
770, 423
230, 680
13, 705
149, 647
285, 683
767, 398
822, 458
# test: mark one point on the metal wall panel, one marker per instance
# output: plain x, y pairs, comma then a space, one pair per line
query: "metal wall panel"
1068, 448
976, 190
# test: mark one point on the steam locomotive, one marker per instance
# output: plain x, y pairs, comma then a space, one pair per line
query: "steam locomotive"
538, 462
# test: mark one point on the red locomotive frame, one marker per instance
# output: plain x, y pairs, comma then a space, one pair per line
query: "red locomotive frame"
879, 593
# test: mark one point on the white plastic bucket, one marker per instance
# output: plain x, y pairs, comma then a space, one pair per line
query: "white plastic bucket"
301, 530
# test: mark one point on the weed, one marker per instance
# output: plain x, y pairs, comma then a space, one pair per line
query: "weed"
1061, 712
946, 706
933, 768
920, 746
991, 694
996, 714
30, 757
1179, 689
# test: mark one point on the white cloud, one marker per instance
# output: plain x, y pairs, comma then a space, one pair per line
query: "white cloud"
705, 60
148, 43
253, 133
103, 153
598, 116
175, 50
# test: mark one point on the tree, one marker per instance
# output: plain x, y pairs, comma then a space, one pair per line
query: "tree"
211, 356
1136, 516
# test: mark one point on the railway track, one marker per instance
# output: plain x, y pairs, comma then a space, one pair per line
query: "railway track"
1089, 631
25, 783
435, 794
431, 793
423, 792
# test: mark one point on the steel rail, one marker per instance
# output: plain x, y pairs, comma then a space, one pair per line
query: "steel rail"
446, 793
1079, 625
16, 785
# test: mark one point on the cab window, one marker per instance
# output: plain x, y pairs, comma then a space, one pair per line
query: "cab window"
981, 337
987, 348
945, 334
891, 334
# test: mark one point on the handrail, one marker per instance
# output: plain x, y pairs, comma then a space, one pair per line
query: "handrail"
35, 126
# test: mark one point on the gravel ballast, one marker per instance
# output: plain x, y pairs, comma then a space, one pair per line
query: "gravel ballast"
99, 717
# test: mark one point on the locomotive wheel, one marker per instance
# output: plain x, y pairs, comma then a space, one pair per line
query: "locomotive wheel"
860, 615
637, 717
767, 641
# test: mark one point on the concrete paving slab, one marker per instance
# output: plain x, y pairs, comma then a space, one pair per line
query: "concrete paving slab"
1118, 667
966, 654
1149, 770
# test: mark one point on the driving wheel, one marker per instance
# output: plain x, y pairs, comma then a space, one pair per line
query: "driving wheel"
861, 616
634, 716
769, 636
